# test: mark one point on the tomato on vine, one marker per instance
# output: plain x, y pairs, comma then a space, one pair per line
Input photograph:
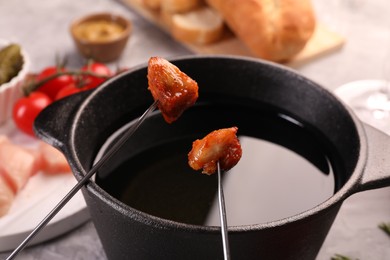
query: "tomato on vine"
54, 83
26, 109
95, 68
69, 90
53, 86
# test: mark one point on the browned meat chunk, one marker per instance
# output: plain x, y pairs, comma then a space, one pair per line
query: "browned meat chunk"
174, 90
220, 145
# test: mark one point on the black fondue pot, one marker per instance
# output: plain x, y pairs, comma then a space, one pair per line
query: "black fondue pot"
232, 91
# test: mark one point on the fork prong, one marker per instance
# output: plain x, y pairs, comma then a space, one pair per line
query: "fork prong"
222, 215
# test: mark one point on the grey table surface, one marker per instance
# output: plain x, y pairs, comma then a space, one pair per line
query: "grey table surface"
42, 27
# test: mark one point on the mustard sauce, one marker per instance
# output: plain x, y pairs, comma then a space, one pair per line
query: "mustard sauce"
99, 31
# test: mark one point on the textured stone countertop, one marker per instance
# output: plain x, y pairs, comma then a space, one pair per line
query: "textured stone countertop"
42, 27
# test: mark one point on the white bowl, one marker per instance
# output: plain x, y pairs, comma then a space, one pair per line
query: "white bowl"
11, 91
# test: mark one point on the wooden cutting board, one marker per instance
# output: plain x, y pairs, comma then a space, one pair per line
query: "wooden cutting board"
323, 41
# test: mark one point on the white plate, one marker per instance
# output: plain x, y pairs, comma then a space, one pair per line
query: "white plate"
353, 90
36, 200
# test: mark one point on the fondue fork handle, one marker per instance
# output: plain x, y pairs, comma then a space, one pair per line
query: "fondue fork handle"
222, 215
81, 183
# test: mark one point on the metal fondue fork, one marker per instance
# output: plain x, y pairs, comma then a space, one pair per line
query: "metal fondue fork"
222, 215
111, 151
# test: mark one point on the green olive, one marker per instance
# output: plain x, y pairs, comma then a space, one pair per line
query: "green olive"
11, 62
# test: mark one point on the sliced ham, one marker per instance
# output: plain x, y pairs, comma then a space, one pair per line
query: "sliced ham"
7, 195
18, 164
4, 139
38, 160
54, 161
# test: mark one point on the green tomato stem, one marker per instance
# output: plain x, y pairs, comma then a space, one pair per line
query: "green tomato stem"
32, 85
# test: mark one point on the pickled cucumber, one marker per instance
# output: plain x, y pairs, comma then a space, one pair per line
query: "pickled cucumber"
11, 62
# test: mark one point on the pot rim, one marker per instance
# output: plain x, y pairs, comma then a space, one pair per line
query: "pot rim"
349, 188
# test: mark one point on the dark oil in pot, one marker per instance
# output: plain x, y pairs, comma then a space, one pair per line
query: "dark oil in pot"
286, 168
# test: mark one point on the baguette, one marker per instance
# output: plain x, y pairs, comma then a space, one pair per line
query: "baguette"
203, 25
275, 30
152, 4
179, 6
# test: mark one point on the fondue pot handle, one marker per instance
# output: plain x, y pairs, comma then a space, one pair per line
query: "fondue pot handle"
376, 173
54, 122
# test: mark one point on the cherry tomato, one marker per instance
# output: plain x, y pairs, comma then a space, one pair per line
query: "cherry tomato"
26, 110
98, 68
68, 90
52, 87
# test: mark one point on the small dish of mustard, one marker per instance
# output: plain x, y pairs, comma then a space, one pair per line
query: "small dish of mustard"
101, 36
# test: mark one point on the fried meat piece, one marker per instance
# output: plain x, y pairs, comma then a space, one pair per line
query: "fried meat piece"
174, 90
220, 145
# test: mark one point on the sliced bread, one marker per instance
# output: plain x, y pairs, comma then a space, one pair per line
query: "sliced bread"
200, 26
